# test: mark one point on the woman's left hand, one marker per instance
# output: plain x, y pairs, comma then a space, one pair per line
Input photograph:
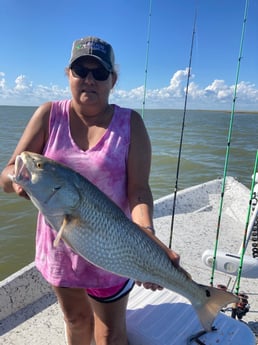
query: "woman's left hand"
175, 258
150, 286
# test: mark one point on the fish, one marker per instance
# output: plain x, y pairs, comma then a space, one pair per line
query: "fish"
99, 231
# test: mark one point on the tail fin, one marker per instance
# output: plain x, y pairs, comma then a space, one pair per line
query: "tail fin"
216, 299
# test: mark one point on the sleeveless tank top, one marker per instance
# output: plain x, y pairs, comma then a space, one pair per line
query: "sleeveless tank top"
105, 165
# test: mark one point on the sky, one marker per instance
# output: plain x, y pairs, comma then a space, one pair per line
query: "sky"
36, 39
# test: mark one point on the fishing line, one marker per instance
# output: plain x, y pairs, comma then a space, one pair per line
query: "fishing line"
228, 144
147, 59
182, 134
244, 245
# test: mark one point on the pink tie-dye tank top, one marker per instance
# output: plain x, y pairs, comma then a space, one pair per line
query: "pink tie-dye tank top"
105, 165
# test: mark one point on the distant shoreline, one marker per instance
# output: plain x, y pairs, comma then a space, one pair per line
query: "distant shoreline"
255, 112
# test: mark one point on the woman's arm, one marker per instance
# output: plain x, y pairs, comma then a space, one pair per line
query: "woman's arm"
139, 192
139, 164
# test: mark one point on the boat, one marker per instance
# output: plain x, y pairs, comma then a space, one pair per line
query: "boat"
29, 312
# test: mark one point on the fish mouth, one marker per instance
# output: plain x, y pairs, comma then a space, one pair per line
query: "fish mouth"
21, 172
24, 177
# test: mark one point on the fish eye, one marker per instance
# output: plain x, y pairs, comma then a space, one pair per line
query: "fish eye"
39, 165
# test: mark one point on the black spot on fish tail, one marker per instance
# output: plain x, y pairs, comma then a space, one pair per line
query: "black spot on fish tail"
208, 294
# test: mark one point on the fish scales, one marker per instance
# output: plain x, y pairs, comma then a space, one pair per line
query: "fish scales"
98, 230
126, 257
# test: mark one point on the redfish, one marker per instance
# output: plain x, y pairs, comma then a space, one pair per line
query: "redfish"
97, 229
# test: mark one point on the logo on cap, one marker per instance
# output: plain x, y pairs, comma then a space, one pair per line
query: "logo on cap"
93, 46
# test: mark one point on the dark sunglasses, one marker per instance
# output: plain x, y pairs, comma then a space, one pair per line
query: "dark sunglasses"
99, 73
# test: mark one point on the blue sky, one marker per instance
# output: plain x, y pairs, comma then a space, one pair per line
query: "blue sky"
36, 39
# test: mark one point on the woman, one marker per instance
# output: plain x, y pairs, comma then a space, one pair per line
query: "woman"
110, 146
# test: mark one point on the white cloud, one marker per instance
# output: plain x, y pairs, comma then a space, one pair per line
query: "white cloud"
176, 82
216, 95
2, 81
24, 92
22, 84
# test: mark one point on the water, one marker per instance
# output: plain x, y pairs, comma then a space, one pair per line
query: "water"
202, 159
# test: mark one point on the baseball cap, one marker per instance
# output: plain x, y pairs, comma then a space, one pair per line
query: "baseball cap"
95, 47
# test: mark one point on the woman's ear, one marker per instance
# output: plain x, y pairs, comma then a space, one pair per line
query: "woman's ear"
67, 69
114, 78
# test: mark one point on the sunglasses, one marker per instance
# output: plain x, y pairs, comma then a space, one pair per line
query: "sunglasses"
99, 73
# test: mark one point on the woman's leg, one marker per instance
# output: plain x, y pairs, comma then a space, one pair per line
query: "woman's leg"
78, 315
110, 322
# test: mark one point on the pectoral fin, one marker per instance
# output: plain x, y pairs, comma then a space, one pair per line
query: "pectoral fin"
60, 232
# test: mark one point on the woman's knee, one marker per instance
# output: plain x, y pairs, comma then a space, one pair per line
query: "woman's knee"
76, 308
78, 320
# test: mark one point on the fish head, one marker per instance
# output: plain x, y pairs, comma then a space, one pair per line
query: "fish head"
51, 186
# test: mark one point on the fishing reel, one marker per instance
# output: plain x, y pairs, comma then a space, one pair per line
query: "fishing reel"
238, 310
241, 308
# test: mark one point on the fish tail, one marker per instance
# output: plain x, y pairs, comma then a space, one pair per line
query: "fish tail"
216, 300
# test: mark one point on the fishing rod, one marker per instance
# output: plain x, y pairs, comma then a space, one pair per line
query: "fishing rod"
147, 59
182, 134
244, 245
228, 144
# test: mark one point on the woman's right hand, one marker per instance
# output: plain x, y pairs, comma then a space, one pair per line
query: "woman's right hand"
20, 191
7, 183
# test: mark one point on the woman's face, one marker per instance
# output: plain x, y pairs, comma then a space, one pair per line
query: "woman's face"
90, 82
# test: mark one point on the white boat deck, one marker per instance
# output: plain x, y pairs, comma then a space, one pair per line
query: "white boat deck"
153, 318
158, 318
